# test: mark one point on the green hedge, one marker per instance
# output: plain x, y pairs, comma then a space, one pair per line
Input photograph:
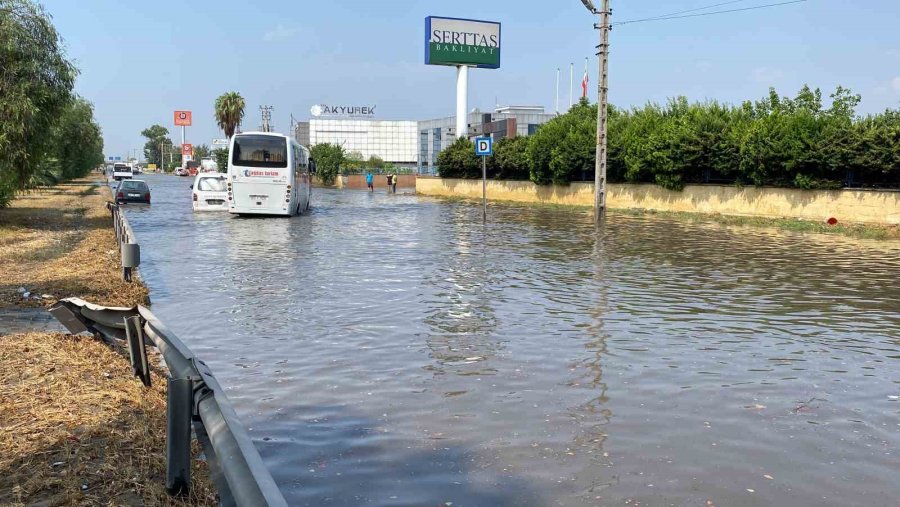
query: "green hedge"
779, 141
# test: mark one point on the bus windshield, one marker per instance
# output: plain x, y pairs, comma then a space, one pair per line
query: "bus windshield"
259, 151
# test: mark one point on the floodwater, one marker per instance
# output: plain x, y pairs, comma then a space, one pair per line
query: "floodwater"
394, 350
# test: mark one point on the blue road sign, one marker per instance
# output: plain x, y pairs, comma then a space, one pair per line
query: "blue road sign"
484, 146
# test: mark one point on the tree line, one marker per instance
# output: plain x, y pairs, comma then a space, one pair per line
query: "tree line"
47, 132
778, 141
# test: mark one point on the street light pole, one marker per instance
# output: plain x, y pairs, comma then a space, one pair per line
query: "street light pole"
602, 107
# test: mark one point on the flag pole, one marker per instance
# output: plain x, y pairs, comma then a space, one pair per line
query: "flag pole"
557, 91
586, 79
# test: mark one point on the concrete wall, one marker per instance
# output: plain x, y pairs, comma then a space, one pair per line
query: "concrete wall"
863, 206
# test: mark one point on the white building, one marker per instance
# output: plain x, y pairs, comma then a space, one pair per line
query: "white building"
393, 141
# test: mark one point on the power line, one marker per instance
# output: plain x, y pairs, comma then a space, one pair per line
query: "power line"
663, 18
690, 10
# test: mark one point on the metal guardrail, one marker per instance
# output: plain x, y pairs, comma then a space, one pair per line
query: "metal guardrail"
129, 248
194, 396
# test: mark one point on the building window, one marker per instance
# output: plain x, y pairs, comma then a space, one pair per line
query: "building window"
532, 128
436, 146
423, 148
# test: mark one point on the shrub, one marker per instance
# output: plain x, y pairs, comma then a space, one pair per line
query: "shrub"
459, 160
328, 158
510, 161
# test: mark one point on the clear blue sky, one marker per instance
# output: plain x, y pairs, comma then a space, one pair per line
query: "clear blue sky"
141, 60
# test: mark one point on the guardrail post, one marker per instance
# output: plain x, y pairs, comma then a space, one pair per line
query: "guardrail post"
131, 258
179, 409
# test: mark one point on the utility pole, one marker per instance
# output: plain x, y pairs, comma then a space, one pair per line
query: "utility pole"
602, 106
266, 113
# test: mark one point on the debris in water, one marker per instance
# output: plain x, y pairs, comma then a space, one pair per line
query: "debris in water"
751, 490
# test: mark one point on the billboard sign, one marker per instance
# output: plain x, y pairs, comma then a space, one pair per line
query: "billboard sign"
187, 150
454, 41
182, 118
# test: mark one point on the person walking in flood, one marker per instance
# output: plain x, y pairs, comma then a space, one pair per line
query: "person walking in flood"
394, 183
370, 181
389, 183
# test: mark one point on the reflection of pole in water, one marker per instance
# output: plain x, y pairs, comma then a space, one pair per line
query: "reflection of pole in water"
593, 415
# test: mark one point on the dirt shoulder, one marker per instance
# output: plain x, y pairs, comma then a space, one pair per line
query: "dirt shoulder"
77, 428
59, 242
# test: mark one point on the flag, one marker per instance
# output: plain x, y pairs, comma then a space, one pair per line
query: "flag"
584, 81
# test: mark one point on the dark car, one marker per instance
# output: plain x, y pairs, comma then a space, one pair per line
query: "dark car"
133, 191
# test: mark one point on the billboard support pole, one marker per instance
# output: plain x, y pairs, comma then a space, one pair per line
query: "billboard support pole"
462, 92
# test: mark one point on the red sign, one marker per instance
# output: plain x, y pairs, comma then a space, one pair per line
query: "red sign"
182, 118
187, 150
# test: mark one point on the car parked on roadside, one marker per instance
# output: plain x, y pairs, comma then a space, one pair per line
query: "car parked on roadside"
210, 192
180, 171
133, 191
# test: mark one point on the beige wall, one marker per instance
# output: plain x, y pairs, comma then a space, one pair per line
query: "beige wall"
864, 206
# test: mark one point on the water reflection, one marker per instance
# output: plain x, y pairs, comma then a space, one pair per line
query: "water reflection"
395, 350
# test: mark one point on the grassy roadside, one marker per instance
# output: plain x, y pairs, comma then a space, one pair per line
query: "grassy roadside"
861, 231
59, 242
75, 426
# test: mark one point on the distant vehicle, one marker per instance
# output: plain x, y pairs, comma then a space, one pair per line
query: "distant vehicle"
122, 172
268, 174
208, 165
130, 190
210, 192
179, 171
192, 167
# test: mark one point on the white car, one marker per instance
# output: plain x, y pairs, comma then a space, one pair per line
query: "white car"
210, 192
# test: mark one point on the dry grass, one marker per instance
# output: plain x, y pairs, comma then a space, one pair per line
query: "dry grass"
60, 242
77, 429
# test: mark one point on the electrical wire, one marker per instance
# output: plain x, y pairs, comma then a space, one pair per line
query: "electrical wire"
664, 18
695, 10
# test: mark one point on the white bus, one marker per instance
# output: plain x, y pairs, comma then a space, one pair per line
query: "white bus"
268, 174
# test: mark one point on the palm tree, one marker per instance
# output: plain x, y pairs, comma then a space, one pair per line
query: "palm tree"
229, 112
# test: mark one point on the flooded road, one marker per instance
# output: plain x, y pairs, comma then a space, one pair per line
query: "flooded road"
393, 350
